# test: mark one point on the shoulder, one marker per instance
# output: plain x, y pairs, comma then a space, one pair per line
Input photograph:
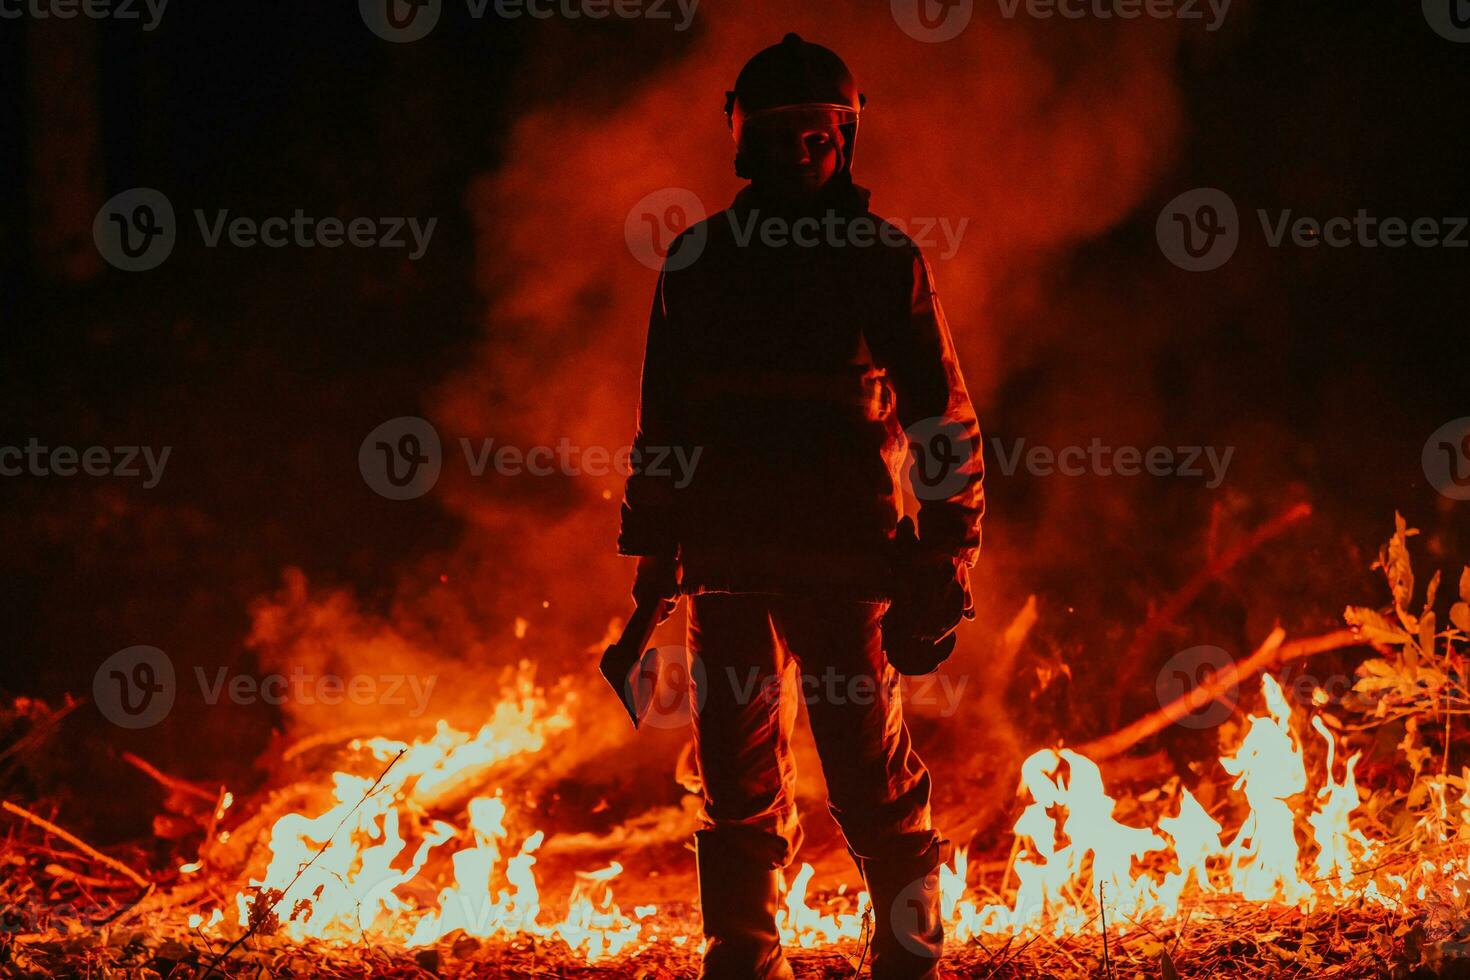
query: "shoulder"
685, 249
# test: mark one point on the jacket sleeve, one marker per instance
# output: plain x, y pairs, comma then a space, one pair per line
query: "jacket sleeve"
649, 525
940, 424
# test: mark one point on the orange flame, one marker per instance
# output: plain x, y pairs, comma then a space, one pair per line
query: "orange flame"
350, 872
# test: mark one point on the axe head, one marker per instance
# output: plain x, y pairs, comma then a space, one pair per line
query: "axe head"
622, 663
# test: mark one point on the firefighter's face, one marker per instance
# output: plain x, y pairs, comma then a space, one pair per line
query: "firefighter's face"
798, 153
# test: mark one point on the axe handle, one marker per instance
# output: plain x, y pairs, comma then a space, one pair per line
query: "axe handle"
639, 631
623, 657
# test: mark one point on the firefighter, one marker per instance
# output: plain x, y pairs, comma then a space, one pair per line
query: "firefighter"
794, 348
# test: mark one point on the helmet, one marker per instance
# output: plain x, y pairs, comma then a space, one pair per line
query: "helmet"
794, 76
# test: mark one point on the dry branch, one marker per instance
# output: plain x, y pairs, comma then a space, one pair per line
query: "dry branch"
77, 842
169, 782
1164, 616
1270, 653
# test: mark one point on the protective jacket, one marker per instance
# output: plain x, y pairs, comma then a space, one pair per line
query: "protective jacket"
788, 351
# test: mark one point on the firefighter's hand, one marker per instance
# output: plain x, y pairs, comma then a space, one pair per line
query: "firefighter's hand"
943, 596
657, 580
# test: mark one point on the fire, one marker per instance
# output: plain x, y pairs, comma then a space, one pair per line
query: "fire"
349, 872
1269, 770
375, 865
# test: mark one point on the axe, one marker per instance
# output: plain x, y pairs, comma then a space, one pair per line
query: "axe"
622, 662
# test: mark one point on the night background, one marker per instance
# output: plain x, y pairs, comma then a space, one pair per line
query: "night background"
530, 141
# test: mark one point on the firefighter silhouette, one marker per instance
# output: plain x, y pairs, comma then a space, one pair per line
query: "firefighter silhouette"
795, 353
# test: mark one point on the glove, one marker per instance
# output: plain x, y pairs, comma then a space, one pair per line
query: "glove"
931, 595
657, 580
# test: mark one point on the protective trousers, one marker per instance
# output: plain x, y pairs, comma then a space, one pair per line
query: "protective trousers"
755, 656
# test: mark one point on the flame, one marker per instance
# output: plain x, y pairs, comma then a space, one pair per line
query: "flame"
375, 865
349, 872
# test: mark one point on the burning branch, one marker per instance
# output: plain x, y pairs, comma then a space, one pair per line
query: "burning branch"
259, 917
1270, 653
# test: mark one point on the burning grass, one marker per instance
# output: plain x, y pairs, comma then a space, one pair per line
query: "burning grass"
423, 855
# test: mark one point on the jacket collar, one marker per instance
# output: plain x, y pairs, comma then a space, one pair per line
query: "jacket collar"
841, 196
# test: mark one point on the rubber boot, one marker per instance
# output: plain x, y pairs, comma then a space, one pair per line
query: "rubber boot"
738, 897
908, 929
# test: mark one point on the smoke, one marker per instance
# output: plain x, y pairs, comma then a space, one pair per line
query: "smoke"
1030, 137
